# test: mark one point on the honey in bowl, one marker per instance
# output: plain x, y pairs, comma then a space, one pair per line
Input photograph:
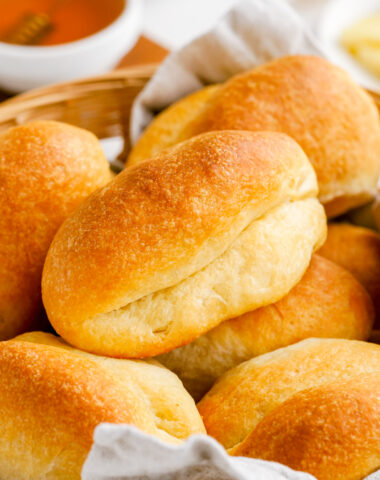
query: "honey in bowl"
65, 20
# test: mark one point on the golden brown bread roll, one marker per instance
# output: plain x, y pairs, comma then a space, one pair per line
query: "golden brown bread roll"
163, 131
219, 225
357, 249
53, 397
249, 399
313, 101
46, 170
331, 431
327, 302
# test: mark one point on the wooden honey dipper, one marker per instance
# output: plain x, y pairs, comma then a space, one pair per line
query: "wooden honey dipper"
33, 26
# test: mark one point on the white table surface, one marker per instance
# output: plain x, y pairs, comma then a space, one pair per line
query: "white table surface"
172, 23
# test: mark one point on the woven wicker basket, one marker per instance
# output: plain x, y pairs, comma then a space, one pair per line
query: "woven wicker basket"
99, 104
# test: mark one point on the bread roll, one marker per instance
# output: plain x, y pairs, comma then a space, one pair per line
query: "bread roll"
46, 170
327, 302
219, 225
331, 431
316, 103
252, 395
53, 397
356, 249
163, 131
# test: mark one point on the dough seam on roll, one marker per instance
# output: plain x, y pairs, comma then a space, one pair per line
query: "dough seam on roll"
331, 431
328, 302
255, 387
233, 241
294, 187
206, 281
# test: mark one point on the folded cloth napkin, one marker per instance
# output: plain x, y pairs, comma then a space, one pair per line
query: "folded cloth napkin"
122, 452
253, 33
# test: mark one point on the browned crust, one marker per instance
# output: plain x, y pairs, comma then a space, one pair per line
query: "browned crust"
51, 402
53, 396
254, 388
46, 170
356, 249
333, 119
331, 431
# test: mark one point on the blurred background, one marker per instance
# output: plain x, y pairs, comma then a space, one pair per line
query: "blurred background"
173, 23
49, 41
45, 42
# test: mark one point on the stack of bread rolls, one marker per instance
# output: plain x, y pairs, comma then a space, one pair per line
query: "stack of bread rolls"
211, 253
219, 225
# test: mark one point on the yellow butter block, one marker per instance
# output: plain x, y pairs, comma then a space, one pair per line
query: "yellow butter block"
362, 41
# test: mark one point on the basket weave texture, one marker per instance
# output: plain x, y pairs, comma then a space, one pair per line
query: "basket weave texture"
99, 104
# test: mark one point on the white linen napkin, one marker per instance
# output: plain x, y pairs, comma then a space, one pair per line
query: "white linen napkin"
253, 33
122, 452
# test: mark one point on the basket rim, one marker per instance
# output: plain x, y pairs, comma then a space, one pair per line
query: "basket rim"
66, 91
122, 74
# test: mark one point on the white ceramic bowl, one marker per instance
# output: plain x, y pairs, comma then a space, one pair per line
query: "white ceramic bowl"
337, 16
23, 68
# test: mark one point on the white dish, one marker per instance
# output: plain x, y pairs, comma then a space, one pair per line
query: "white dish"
23, 68
336, 17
